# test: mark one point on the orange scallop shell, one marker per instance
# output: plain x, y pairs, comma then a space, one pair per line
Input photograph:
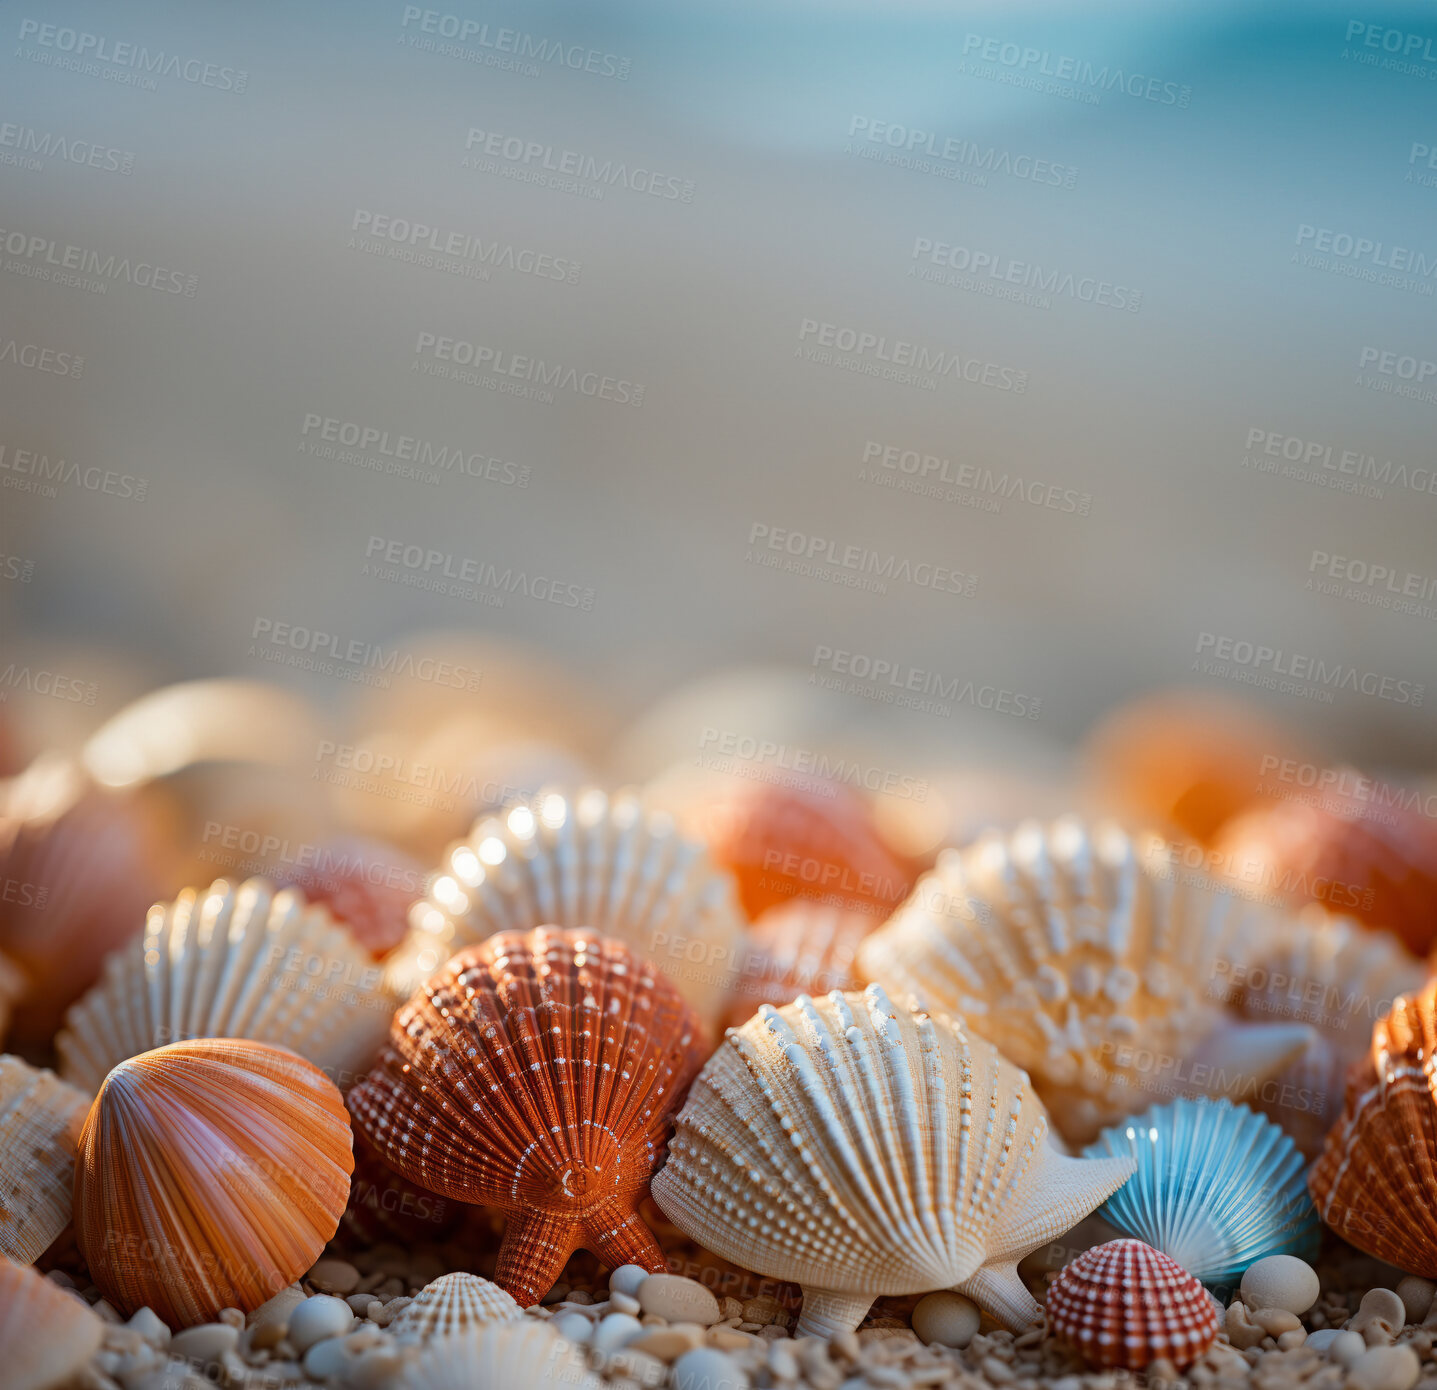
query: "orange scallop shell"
210, 1175
538, 1072
1375, 1183
1126, 1304
1376, 863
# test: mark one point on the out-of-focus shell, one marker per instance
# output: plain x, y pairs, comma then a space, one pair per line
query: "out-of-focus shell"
802, 947
210, 1175
46, 1334
859, 1149
81, 866
537, 1072
1089, 959
386, 1206
1125, 1304
1375, 1183
1217, 1188
1337, 978
1354, 855
233, 961
14, 984
451, 1306
587, 860
367, 885
40, 1122
503, 1356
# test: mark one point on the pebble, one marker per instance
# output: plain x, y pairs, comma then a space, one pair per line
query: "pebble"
782, 1363
266, 1336
205, 1343
328, 1359
1345, 1348
763, 1309
1380, 1316
359, 1303
148, 1324
677, 1299
730, 1339
668, 1343
1281, 1281
703, 1368
637, 1366
316, 1318
1384, 1368
334, 1276
948, 1319
624, 1303
560, 1291
626, 1280
615, 1331
575, 1326
1275, 1321
375, 1368
1416, 1295
279, 1308
580, 1298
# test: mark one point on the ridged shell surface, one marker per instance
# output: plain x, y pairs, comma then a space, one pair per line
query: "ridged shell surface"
233, 961
603, 863
1125, 1304
451, 1306
860, 1148
1217, 1188
40, 1122
1084, 955
1375, 1182
538, 1072
210, 1175
46, 1334
503, 1357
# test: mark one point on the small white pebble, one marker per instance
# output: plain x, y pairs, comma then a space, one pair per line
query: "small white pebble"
574, 1326
205, 1343
148, 1324
328, 1359
948, 1319
624, 1303
317, 1318
615, 1331
1379, 1317
1384, 1368
334, 1276
1281, 1281
677, 1299
705, 1368
626, 1280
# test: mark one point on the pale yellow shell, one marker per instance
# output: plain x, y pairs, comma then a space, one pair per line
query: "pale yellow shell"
502, 1356
40, 1122
860, 1148
233, 961
46, 1334
584, 860
1088, 957
451, 1306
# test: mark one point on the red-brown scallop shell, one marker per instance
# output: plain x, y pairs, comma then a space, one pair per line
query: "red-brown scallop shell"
1375, 1183
1126, 1304
537, 1072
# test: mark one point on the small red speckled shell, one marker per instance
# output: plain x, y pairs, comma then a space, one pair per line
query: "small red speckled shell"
1376, 1181
1126, 1304
537, 1072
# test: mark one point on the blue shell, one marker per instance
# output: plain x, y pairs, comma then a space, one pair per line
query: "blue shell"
1217, 1188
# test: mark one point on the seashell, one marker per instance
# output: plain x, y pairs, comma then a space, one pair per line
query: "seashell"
802, 947
1183, 760
210, 1175
1089, 961
1375, 1182
368, 887
82, 866
858, 1149
40, 1122
1337, 978
1125, 1304
1350, 852
14, 985
386, 1206
1217, 1188
589, 860
236, 961
537, 1072
47, 1335
451, 1306
500, 1357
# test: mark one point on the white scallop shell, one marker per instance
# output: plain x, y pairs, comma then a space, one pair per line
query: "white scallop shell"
1089, 958
40, 1122
46, 1333
453, 1305
233, 962
584, 860
859, 1149
502, 1356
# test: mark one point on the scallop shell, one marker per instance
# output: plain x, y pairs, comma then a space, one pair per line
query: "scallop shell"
860, 1149
46, 1334
593, 861
537, 1072
802, 947
82, 865
1375, 1183
1126, 1304
451, 1306
235, 961
210, 1175
1338, 978
40, 1122
1217, 1188
502, 1357
367, 885
1089, 961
